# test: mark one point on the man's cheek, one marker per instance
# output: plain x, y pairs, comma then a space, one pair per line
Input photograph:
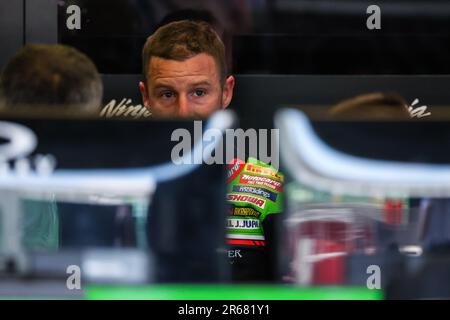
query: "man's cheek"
158, 110
162, 105
212, 107
214, 102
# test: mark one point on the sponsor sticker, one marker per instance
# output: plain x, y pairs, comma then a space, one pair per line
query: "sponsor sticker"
243, 211
246, 199
234, 168
261, 181
253, 168
256, 191
243, 242
248, 224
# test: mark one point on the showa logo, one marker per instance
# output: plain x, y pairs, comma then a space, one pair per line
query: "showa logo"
418, 112
212, 148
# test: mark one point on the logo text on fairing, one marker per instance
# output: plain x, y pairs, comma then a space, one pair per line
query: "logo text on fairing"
246, 199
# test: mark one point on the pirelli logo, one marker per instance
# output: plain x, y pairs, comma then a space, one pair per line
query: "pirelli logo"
261, 181
253, 168
246, 199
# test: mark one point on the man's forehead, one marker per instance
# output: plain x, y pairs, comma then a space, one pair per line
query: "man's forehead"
200, 68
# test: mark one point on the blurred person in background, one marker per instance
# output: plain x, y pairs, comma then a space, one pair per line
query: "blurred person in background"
57, 78
371, 106
52, 80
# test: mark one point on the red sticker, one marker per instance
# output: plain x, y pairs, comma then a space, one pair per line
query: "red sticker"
261, 181
234, 168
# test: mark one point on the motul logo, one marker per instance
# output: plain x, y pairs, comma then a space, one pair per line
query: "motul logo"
248, 199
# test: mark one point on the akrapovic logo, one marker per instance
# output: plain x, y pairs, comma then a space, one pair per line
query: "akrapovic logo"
256, 191
244, 212
246, 199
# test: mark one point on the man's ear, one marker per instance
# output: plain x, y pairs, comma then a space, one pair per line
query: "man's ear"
144, 94
227, 94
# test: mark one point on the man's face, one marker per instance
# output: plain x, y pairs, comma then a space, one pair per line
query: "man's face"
186, 89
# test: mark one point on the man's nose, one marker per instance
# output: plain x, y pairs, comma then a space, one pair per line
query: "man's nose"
183, 106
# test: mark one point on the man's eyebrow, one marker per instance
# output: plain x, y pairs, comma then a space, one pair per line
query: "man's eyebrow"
201, 83
162, 86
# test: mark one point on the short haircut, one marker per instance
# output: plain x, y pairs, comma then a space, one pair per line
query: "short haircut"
182, 40
51, 76
372, 106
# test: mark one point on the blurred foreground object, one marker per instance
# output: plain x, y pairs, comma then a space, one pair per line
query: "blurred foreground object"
313, 162
142, 185
385, 245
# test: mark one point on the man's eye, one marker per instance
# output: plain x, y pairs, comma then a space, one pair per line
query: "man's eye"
200, 93
167, 94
